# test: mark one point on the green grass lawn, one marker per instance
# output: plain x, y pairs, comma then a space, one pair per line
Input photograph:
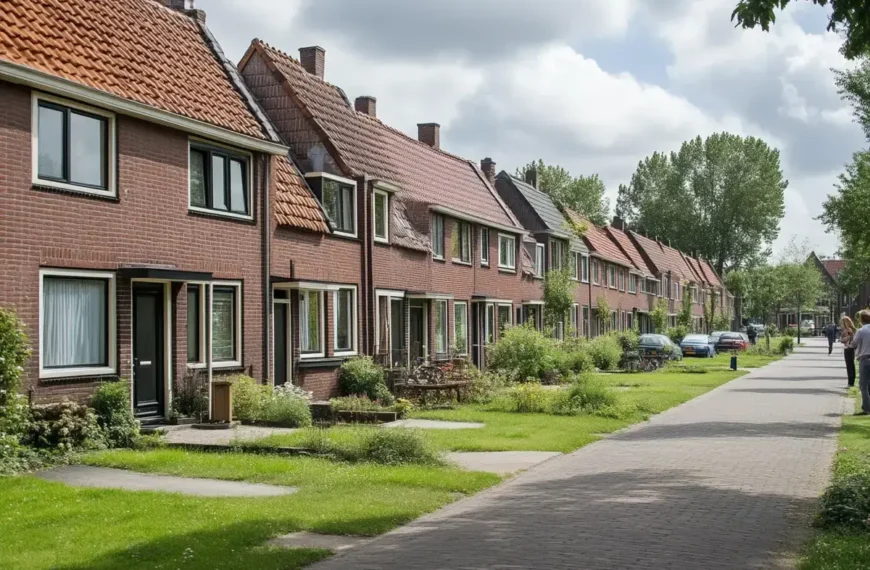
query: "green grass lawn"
50, 525
722, 361
503, 431
844, 550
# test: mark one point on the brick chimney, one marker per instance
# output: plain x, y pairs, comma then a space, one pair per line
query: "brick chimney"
366, 104
532, 177
313, 59
429, 133
180, 5
618, 223
488, 167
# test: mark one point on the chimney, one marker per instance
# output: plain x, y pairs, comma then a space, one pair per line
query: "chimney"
313, 59
618, 223
488, 168
366, 104
532, 177
180, 5
429, 133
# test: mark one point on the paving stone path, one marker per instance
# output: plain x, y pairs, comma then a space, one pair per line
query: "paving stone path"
725, 481
106, 478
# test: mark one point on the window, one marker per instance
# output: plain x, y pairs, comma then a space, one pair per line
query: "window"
490, 319
556, 255
507, 251
340, 205
390, 332
539, 260
226, 323
586, 322
462, 242
438, 236
614, 320
345, 321
484, 246
77, 323
219, 181
381, 207
632, 283
621, 276
440, 327
572, 265
584, 268
575, 316
194, 324
504, 317
460, 327
311, 323
595, 278
611, 276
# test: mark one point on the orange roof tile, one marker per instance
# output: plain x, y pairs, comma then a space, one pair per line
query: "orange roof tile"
834, 266
628, 247
295, 205
366, 146
139, 50
598, 241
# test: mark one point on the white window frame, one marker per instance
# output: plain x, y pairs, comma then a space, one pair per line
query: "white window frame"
611, 276
386, 237
203, 313
111, 190
460, 350
459, 225
321, 322
584, 268
445, 328
595, 272
539, 260
111, 326
195, 141
574, 263
236, 362
436, 255
484, 245
513, 252
354, 329
346, 182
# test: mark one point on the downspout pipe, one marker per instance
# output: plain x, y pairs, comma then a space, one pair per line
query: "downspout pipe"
266, 249
367, 295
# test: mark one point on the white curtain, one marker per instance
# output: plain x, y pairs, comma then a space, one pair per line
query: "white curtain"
74, 322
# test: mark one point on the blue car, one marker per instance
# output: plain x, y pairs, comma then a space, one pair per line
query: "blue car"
698, 345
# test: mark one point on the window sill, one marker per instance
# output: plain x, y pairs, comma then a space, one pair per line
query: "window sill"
384, 241
484, 264
216, 214
344, 235
345, 353
60, 373
321, 362
61, 188
312, 356
228, 364
460, 262
507, 269
439, 259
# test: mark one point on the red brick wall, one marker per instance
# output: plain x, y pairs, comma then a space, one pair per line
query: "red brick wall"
149, 223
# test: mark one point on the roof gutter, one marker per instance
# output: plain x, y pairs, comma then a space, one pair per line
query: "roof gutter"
22, 75
478, 220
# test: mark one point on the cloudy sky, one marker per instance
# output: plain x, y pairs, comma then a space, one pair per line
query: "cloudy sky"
593, 86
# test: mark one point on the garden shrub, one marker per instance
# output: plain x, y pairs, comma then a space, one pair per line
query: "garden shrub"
361, 376
522, 353
605, 352
14, 352
628, 340
790, 332
286, 409
403, 407
483, 387
846, 503
677, 333
354, 404
190, 395
393, 446
785, 345
572, 357
65, 427
586, 395
249, 397
111, 404
286, 405
689, 369
529, 398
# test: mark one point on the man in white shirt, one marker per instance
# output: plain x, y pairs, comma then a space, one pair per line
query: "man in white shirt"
861, 344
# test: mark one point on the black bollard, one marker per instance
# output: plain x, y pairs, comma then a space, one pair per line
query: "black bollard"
733, 362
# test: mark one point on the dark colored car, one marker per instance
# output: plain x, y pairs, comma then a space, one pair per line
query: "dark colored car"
698, 345
658, 346
732, 341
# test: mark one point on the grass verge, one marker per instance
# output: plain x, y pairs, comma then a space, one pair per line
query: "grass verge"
49, 525
722, 361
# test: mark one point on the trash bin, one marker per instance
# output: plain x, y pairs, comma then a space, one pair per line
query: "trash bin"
222, 401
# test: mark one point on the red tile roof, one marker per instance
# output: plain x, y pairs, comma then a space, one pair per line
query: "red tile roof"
598, 241
139, 50
295, 205
664, 258
710, 274
628, 247
834, 266
366, 146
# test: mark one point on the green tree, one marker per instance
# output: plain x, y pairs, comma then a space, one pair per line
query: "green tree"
583, 194
765, 292
721, 198
736, 281
604, 313
802, 286
852, 17
659, 316
684, 317
558, 295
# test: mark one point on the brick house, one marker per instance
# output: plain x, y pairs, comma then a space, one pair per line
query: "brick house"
134, 199
441, 255
646, 284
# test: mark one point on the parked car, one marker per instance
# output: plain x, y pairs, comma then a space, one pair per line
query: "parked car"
698, 345
714, 336
658, 346
732, 341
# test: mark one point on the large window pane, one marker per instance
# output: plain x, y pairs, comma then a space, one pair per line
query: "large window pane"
380, 215
87, 139
347, 209
484, 245
397, 330
75, 322
460, 327
193, 323
238, 191
504, 317
309, 321
437, 236
344, 320
330, 200
197, 179
51, 140
218, 182
223, 324
440, 327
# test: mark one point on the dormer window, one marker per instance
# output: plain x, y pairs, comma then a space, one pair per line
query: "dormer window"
338, 196
219, 181
381, 214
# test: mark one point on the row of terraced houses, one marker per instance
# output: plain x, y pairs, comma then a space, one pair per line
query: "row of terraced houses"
165, 211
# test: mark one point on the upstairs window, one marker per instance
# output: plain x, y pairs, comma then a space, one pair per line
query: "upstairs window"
219, 181
621, 276
462, 242
339, 204
507, 251
595, 276
381, 213
572, 264
74, 147
584, 268
556, 255
611, 276
438, 236
539, 260
632, 284
484, 246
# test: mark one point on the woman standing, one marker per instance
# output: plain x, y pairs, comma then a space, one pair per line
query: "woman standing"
846, 338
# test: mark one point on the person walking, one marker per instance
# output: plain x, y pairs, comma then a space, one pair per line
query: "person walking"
752, 333
831, 333
846, 337
861, 344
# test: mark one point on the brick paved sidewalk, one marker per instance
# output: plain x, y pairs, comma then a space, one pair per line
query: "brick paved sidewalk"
723, 481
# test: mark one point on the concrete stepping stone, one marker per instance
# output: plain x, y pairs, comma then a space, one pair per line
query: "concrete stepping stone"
500, 462
106, 478
432, 424
333, 542
192, 436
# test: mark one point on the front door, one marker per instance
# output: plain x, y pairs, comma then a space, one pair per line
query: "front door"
282, 346
148, 350
417, 330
